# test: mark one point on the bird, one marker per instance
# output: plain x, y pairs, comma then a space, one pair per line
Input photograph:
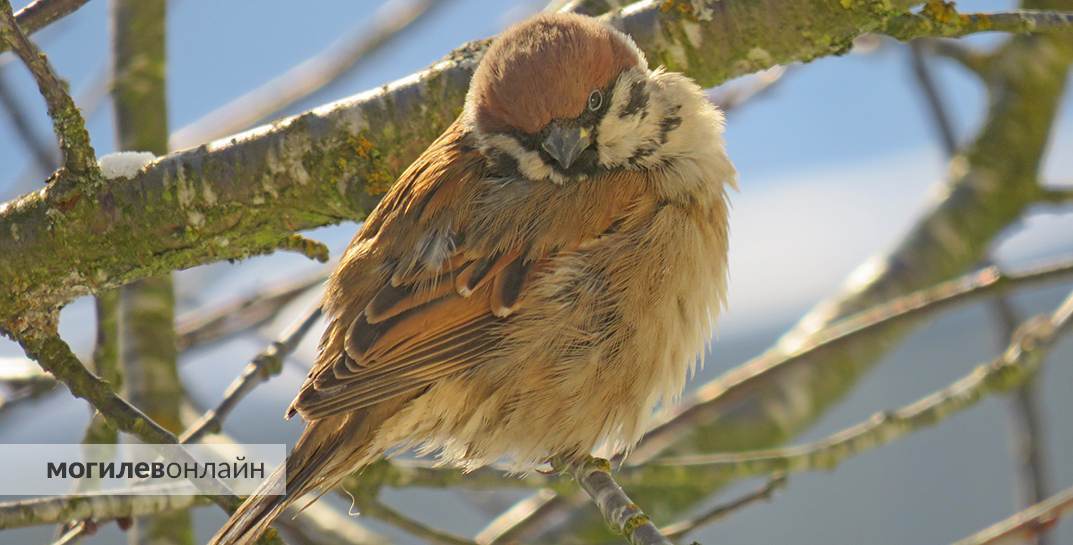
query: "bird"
541, 279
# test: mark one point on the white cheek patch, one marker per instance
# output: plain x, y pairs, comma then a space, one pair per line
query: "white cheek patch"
620, 137
530, 164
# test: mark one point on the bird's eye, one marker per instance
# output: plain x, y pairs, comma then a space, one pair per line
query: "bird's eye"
596, 99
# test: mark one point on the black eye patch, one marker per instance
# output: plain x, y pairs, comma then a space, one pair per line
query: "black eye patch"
638, 100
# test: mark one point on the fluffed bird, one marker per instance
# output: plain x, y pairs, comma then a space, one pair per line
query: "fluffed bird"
542, 277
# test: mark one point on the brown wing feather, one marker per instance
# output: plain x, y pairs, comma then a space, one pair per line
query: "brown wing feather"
403, 316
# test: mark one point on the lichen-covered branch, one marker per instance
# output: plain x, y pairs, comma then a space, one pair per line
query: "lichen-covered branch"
1030, 522
620, 512
1020, 361
78, 154
242, 196
52, 510
941, 20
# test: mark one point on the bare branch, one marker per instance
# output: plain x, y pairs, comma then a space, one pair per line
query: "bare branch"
509, 525
1057, 196
759, 84
41, 13
619, 511
964, 54
43, 152
266, 365
1022, 358
874, 322
206, 326
53, 510
1030, 522
376, 509
321, 524
78, 155
764, 493
939, 116
308, 77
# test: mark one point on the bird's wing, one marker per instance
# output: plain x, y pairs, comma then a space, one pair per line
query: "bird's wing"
440, 294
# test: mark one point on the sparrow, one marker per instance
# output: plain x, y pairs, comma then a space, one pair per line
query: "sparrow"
542, 277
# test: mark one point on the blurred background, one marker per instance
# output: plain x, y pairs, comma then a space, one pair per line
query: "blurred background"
835, 161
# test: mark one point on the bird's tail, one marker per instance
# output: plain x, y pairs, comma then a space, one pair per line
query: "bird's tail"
320, 459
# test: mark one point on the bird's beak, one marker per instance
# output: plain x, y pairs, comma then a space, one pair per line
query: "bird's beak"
565, 144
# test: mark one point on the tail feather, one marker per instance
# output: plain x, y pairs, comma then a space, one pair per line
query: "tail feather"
309, 466
329, 450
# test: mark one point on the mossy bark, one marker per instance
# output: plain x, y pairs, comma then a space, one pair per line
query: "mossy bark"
147, 306
242, 196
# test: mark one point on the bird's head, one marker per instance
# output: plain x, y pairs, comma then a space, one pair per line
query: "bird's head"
561, 97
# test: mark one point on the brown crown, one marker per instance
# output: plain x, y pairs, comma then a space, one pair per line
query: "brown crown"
544, 69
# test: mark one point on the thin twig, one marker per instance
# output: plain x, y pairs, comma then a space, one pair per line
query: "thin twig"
1026, 427
44, 155
1057, 195
264, 366
321, 524
939, 115
78, 155
966, 55
308, 77
1022, 358
205, 326
507, 527
764, 493
619, 511
375, 508
41, 13
1032, 521
53, 510
735, 95
740, 381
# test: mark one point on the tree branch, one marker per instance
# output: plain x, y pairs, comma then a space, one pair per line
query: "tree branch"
1030, 522
619, 511
206, 326
376, 509
1057, 196
53, 510
764, 493
1022, 358
241, 197
41, 13
78, 154
43, 152
266, 365
306, 78
940, 20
